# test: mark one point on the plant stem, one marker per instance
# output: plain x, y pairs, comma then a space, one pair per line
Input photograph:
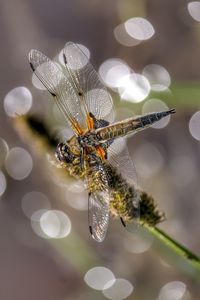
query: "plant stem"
184, 258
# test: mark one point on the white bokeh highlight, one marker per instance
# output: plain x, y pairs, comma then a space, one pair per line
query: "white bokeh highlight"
34, 201
173, 290
194, 10
3, 151
18, 101
112, 70
134, 88
157, 76
18, 163
123, 37
98, 277
3, 183
194, 126
118, 289
139, 28
55, 224
35, 223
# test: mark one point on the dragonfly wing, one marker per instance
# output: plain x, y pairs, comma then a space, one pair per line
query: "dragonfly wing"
61, 88
76, 87
98, 215
119, 158
94, 96
99, 197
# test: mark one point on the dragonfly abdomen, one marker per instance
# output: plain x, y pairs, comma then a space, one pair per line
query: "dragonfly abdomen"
149, 119
131, 125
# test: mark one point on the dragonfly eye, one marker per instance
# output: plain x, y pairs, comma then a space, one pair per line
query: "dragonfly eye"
63, 153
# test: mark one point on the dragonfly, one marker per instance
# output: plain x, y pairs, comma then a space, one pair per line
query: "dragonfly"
91, 154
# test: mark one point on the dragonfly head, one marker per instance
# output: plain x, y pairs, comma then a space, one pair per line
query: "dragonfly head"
64, 153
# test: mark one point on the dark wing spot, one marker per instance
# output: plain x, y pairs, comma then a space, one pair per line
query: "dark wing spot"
80, 94
32, 67
65, 58
90, 229
54, 95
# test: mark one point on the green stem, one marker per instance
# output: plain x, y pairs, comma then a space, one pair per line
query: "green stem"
184, 258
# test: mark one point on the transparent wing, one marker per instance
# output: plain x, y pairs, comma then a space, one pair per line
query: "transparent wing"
99, 198
94, 96
98, 215
61, 88
119, 158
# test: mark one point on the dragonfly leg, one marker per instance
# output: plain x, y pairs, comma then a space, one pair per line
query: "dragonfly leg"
82, 161
122, 221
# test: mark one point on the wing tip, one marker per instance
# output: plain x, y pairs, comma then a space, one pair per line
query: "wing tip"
31, 53
95, 237
69, 43
31, 56
37, 58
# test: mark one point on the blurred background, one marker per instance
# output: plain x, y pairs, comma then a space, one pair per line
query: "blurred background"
147, 54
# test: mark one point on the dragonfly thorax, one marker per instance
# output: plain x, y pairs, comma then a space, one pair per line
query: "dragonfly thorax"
88, 139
